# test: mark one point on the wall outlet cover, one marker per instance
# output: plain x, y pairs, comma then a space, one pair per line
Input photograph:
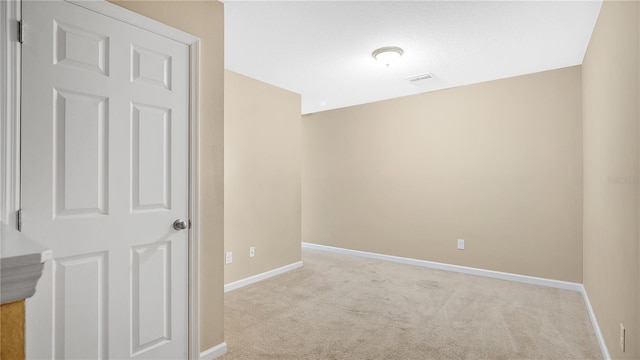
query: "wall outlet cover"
460, 244
228, 257
252, 251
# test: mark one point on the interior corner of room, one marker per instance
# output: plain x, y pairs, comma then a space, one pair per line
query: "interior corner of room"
538, 173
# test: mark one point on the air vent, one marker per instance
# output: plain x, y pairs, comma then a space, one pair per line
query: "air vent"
420, 77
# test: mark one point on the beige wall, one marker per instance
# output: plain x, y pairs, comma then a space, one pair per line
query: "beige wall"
262, 176
204, 19
611, 169
498, 164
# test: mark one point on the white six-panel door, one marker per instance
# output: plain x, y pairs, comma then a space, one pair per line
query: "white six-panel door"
104, 177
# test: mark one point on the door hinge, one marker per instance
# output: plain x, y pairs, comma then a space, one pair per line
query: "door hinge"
20, 32
19, 220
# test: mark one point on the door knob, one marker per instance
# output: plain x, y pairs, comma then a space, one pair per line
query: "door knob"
179, 224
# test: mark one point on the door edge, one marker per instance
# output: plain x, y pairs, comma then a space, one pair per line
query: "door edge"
10, 95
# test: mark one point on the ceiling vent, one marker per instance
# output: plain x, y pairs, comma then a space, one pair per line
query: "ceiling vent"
420, 77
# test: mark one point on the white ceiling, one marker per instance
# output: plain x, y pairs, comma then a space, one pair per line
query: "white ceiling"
322, 49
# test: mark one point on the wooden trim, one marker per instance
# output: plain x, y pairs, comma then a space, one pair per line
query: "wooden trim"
262, 276
596, 327
12, 329
194, 203
559, 284
133, 18
214, 352
10, 62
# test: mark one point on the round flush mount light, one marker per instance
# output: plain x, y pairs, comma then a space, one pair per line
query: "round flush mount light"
387, 55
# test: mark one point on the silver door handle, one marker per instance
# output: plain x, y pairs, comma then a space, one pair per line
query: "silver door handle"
179, 224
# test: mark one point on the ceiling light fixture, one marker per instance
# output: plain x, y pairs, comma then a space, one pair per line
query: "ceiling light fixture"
388, 54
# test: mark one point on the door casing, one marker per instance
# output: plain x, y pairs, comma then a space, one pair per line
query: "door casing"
11, 99
10, 60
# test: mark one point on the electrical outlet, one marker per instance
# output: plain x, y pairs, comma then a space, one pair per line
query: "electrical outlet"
228, 258
252, 251
460, 244
622, 331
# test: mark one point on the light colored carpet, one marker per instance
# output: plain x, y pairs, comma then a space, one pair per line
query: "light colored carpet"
345, 307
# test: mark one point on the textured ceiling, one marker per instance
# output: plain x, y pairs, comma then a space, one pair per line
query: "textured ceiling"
322, 49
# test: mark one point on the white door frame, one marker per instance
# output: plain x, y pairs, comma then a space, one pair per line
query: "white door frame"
10, 99
10, 59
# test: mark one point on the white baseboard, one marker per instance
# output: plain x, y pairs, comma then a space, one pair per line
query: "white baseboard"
214, 352
596, 327
480, 272
456, 268
265, 275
